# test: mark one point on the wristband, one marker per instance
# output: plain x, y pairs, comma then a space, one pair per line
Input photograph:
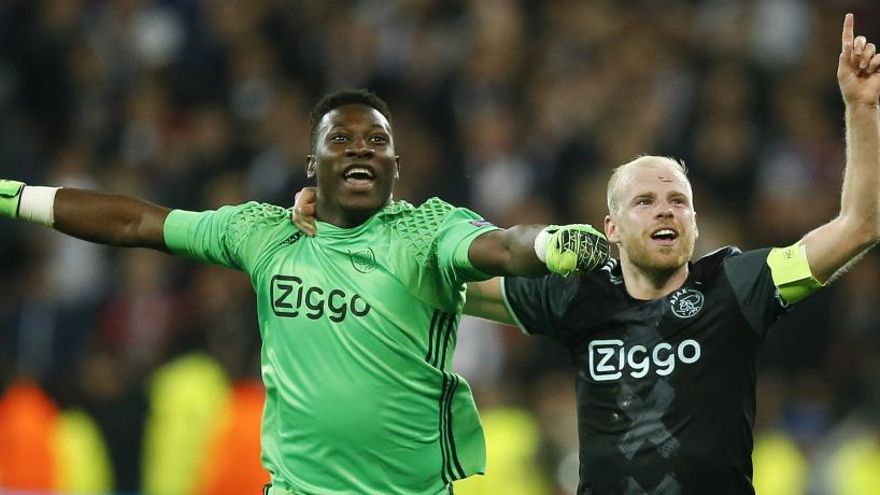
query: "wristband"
29, 203
541, 243
37, 204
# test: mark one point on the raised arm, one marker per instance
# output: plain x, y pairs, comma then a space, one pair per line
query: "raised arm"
91, 216
832, 246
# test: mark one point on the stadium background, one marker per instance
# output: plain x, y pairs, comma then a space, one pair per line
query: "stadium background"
131, 371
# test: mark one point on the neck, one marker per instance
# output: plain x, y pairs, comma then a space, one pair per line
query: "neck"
648, 284
334, 214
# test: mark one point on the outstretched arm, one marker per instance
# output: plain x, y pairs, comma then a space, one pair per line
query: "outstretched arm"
532, 250
522, 250
484, 299
92, 216
832, 246
110, 219
508, 252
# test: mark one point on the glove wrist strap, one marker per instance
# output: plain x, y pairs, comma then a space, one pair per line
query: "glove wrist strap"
541, 241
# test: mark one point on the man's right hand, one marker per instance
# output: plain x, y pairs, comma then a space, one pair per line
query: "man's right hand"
10, 197
858, 68
304, 210
575, 247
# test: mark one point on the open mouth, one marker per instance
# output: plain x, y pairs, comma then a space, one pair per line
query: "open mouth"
358, 176
664, 236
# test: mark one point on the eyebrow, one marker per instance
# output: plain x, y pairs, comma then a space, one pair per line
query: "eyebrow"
374, 126
652, 195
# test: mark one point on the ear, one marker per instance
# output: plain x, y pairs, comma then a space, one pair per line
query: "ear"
611, 230
397, 167
310, 166
696, 229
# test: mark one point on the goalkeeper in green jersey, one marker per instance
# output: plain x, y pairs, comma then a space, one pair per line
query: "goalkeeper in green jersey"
358, 323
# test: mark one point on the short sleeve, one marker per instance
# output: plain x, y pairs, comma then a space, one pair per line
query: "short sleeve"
454, 236
752, 283
232, 236
538, 305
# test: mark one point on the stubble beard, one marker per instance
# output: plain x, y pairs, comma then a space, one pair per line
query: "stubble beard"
660, 260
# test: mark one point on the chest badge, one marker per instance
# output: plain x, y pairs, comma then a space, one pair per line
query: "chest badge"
686, 303
363, 260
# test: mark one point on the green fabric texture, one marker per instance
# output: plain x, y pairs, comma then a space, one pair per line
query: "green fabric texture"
358, 328
10, 195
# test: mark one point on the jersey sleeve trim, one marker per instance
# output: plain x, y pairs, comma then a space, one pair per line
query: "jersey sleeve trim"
791, 273
176, 230
461, 258
519, 323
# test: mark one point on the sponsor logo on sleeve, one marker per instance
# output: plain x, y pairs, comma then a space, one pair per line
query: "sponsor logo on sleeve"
481, 223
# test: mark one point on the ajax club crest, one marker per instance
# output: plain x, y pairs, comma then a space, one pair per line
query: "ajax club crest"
363, 260
686, 303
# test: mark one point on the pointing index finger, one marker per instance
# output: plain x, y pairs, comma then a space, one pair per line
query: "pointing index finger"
847, 34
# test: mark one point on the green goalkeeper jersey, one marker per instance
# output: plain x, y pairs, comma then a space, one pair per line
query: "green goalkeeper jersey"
358, 328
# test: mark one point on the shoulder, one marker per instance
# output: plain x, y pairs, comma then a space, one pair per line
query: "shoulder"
732, 263
252, 219
711, 263
231, 219
434, 208
609, 274
255, 215
436, 204
259, 212
719, 255
426, 218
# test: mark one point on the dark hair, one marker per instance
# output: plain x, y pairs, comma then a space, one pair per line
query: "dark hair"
343, 97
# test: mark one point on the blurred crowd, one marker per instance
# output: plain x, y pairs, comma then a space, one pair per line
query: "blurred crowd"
517, 109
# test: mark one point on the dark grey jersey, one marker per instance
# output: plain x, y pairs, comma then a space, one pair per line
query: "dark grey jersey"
665, 388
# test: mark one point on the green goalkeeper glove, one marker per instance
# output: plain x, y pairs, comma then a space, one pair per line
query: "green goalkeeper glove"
574, 247
10, 197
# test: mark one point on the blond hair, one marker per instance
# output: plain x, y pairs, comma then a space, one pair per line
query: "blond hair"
641, 160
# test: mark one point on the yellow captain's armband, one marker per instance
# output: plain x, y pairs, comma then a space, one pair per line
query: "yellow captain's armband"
791, 273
